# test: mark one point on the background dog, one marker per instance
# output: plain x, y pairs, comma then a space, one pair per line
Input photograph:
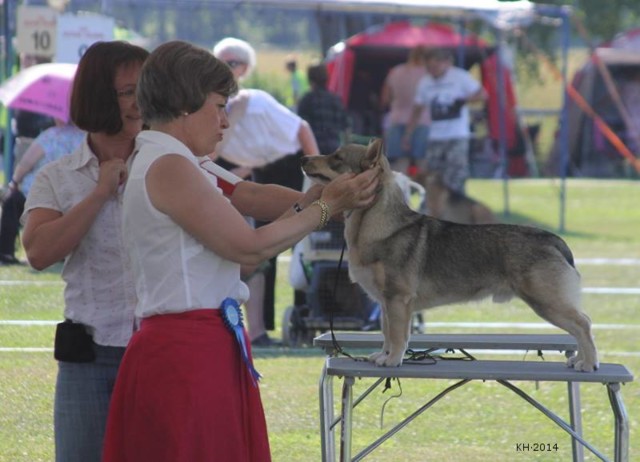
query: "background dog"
446, 204
408, 261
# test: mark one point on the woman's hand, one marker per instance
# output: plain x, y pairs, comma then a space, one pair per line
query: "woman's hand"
349, 191
113, 173
313, 194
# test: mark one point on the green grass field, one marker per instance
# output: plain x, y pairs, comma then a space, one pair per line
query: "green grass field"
480, 422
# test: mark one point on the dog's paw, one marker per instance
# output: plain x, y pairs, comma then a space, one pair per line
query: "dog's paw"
582, 365
571, 361
385, 360
393, 360
375, 357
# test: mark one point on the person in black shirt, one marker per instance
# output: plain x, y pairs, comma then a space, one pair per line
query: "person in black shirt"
324, 112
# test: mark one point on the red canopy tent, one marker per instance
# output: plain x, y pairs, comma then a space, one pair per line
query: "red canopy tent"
358, 66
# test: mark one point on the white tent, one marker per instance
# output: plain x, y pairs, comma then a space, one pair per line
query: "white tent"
499, 14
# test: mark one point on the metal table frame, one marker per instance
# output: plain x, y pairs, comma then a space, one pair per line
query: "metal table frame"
608, 374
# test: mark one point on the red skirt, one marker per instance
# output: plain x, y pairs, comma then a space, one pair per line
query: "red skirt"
183, 393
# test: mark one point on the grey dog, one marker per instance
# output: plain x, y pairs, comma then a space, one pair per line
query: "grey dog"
408, 261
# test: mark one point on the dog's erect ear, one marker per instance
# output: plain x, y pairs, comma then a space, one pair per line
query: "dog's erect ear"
375, 150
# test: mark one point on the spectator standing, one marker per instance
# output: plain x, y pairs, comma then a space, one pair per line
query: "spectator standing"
73, 213
445, 92
50, 145
268, 138
324, 111
27, 125
298, 84
398, 95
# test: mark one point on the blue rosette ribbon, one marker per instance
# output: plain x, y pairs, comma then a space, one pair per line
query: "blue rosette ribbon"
232, 317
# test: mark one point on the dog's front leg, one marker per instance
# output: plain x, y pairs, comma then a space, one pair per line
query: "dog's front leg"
384, 324
396, 329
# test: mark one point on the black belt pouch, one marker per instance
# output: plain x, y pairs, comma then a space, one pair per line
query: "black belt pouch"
73, 343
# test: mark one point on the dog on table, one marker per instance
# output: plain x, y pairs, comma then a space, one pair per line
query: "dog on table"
408, 261
447, 204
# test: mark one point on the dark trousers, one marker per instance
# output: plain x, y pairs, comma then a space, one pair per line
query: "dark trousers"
12, 209
284, 172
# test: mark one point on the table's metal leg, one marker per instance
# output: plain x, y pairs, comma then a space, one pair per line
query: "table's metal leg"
621, 447
347, 414
327, 440
575, 419
558, 421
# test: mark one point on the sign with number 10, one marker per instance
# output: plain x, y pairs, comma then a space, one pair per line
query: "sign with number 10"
41, 31
36, 30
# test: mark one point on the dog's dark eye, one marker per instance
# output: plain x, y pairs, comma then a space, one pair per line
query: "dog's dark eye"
335, 162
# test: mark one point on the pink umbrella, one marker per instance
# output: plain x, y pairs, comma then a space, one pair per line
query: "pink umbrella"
43, 88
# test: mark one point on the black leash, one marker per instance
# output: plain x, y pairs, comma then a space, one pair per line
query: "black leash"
336, 346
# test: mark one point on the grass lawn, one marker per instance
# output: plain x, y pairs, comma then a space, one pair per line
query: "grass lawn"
479, 422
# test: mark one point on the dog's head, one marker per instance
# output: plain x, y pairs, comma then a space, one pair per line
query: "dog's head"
350, 158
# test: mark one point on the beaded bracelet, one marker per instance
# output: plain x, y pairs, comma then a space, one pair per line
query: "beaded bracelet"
325, 215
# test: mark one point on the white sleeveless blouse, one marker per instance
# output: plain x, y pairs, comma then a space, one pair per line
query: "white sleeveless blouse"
173, 272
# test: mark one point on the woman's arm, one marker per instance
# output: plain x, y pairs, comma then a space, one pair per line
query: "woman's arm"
178, 189
268, 202
416, 113
385, 95
49, 236
480, 95
29, 160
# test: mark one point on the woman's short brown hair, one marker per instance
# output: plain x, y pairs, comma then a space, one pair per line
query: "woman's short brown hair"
177, 79
94, 102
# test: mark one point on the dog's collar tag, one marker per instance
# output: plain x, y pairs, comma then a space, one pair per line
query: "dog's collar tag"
232, 317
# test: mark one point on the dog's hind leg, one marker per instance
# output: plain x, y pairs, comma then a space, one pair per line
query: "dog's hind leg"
557, 299
578, 324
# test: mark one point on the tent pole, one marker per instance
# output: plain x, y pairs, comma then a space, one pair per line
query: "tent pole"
462, 30
502, 151
564, 127
8, 19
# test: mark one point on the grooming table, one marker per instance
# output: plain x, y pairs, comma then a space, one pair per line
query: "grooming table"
611, 375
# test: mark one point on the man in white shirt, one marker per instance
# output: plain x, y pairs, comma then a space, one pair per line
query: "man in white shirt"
445, 92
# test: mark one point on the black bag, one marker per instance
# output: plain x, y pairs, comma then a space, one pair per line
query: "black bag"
73, 343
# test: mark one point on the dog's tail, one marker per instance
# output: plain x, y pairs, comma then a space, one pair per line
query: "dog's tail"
564, 250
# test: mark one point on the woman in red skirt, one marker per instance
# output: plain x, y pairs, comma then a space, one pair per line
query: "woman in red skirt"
187, 389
